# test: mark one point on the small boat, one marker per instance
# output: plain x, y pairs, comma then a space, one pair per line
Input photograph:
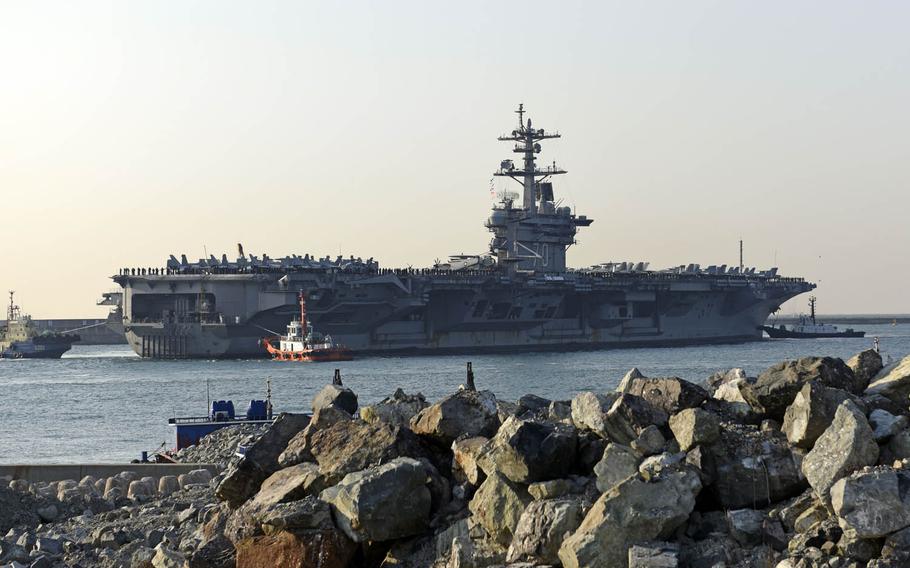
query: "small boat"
302, 343
190, 429
809, 328
20, 339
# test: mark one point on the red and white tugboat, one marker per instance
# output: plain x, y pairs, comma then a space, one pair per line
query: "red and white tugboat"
302, 343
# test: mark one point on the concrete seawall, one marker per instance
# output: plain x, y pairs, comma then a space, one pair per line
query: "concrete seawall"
58, 472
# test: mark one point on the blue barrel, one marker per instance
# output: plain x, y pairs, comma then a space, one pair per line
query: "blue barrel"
222, 410
256, 410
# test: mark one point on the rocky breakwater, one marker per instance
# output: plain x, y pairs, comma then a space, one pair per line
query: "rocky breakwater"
805, 465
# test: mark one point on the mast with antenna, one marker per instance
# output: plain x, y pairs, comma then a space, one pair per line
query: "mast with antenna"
527, 144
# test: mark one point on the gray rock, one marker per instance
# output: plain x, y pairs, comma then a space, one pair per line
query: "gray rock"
885, 425
865, 365
526, 452
670, 394
845, 446
649, 442
41, 562
634, 511
464, 413
337, 396
531, 403
654, 466
861, 549
746, 526
792, 509
628, 416
382, 503
167, 558
811, 412
465, 453
353, 445
242, 480
720, 378
48, 513
898, 447
589, 411
541, 529
554, 488
872, 504
752, 468
297, 449
731, 398
693, 427
618, 464
307, 513
397, 410
654, 555
52, 546
626, 382
775, 389
292, 483
897, 547
560, 411
497, 506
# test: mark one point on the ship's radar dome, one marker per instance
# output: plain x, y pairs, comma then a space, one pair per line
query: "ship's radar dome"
499, 217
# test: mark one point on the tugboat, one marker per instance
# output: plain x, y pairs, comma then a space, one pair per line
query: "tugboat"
22, 340
809, 328
302, 343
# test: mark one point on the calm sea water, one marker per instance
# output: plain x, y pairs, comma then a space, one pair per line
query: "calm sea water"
102, 403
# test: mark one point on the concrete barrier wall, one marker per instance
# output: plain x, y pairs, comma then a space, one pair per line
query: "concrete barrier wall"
58, 472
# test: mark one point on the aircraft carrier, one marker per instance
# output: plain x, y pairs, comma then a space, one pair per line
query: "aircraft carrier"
519, 296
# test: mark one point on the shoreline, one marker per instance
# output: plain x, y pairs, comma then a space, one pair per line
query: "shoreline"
792, 468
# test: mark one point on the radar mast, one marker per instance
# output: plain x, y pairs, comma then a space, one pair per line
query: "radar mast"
527, 143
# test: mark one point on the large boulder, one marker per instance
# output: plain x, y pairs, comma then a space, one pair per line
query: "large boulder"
730, 396
298, 448
751, 467
465, 454
347, 446
541, 529
326, 548
865, 365
242, 480
811, 412
589, 411
526, 452
893, 382
307, 513
776, 388
396, 410
634, 511
618, 464
497, 506
464, 413
845, 446
384, 502
338, 396
872, 504
629, 416
654, 555
694, 427
291, 483
885, 425
670, 394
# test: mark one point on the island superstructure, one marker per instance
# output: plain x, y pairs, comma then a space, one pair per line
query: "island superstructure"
519, 296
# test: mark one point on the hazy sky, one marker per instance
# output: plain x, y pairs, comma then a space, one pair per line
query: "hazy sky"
130, 131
